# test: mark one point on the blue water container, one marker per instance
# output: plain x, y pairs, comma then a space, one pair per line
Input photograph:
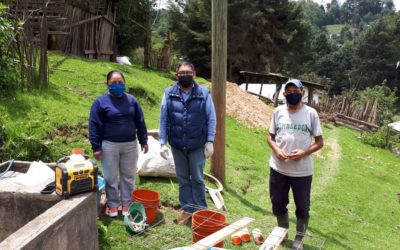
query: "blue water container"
101, 183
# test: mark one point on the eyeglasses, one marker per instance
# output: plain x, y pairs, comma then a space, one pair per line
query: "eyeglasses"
184, 73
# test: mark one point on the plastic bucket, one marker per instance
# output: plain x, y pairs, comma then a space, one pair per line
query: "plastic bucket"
205, 223
135, 221
100, 186
150, 200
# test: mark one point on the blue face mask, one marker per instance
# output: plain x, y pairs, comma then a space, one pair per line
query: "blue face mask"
116, 89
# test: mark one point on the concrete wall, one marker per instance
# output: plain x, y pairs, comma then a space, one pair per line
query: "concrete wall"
69, 224
17, 209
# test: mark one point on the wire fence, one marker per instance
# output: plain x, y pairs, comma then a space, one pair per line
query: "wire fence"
165, 234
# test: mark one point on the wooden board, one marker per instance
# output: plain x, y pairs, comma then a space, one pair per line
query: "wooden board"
274, 239
222, 234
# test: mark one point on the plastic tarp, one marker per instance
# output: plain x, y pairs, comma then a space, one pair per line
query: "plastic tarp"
395, 126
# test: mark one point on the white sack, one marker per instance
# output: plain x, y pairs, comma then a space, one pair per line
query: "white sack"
152, 164
123, 60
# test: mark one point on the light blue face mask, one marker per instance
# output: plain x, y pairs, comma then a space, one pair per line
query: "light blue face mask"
116, 89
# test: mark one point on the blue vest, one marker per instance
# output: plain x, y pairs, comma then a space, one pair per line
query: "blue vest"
187, 121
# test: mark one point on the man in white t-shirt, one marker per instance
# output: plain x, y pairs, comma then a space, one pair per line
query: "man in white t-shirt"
292, 128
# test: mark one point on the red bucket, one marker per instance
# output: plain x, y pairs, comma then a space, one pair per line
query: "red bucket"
150, 200
205, 223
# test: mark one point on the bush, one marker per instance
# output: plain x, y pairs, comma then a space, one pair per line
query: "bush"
376, 139
386, 100
7, 59
381, 138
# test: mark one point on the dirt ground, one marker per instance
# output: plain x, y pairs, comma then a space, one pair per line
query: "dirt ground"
246, 108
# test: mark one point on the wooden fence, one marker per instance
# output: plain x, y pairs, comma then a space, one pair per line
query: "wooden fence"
345, 108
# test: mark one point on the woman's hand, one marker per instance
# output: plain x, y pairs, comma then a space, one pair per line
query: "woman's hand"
98, 155
145, 148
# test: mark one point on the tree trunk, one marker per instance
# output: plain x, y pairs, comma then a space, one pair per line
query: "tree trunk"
166, 53
147, 45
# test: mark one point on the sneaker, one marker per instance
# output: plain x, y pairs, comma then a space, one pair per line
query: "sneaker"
125, 210
184, 218
113, 211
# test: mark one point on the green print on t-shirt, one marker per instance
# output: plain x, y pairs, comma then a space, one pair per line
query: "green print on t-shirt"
287, 126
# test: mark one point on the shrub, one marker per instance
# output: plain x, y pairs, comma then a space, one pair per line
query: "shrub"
386, 100
7, 59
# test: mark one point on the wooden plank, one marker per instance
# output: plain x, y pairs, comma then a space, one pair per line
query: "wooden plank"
358, 121
274, 239
54, 32
110, 21
310, 95
276, 97
107, 52
87, 51
222, 234
80, 22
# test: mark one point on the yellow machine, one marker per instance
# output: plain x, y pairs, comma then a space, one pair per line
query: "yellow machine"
75, 174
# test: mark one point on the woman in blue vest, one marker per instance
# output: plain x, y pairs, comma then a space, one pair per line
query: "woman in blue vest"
188, 122
116, 119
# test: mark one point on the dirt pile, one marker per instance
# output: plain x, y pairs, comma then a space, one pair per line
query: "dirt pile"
246, 108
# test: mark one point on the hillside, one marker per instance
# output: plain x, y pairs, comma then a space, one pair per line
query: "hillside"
354, 203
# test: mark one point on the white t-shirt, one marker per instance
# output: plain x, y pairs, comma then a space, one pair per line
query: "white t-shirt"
294, 131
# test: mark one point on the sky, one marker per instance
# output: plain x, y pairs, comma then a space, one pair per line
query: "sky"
163, 3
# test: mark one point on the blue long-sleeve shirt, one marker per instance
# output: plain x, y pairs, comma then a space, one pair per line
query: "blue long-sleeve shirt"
116, 119
210, 113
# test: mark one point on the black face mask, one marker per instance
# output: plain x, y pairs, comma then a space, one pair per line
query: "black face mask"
185, 81
293, 98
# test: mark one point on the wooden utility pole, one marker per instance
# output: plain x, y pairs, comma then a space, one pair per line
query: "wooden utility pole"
218, 78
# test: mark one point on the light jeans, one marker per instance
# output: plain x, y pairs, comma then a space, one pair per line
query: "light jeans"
189, 167
119, 157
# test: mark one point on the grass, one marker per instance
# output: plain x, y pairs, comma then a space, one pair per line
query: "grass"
354, 203
334, 28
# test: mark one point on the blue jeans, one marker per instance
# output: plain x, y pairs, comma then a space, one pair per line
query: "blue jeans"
279, 186
189, 166
119, 157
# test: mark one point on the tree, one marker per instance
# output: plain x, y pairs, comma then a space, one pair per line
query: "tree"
135, 21
191, 23
7, 58
376, 52
358, 11
334, 13
263, 35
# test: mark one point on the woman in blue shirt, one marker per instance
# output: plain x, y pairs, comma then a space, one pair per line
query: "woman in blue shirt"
116, 120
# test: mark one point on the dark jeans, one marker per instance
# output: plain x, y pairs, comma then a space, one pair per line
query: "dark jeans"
279, 186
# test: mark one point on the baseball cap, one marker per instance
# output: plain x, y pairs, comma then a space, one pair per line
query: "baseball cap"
294, 82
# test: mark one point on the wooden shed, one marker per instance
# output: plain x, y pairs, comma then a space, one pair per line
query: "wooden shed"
279, 80
79, 27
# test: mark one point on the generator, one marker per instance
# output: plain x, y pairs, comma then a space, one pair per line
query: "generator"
75, 174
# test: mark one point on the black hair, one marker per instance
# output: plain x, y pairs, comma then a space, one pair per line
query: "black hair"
112, 72
185, 63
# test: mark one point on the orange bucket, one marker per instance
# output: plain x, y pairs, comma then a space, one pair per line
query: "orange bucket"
150, 200
205, 223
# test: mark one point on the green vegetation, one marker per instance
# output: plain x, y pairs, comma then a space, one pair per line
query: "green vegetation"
7, 64
354, 203
334, 28
46, 124
386, 99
